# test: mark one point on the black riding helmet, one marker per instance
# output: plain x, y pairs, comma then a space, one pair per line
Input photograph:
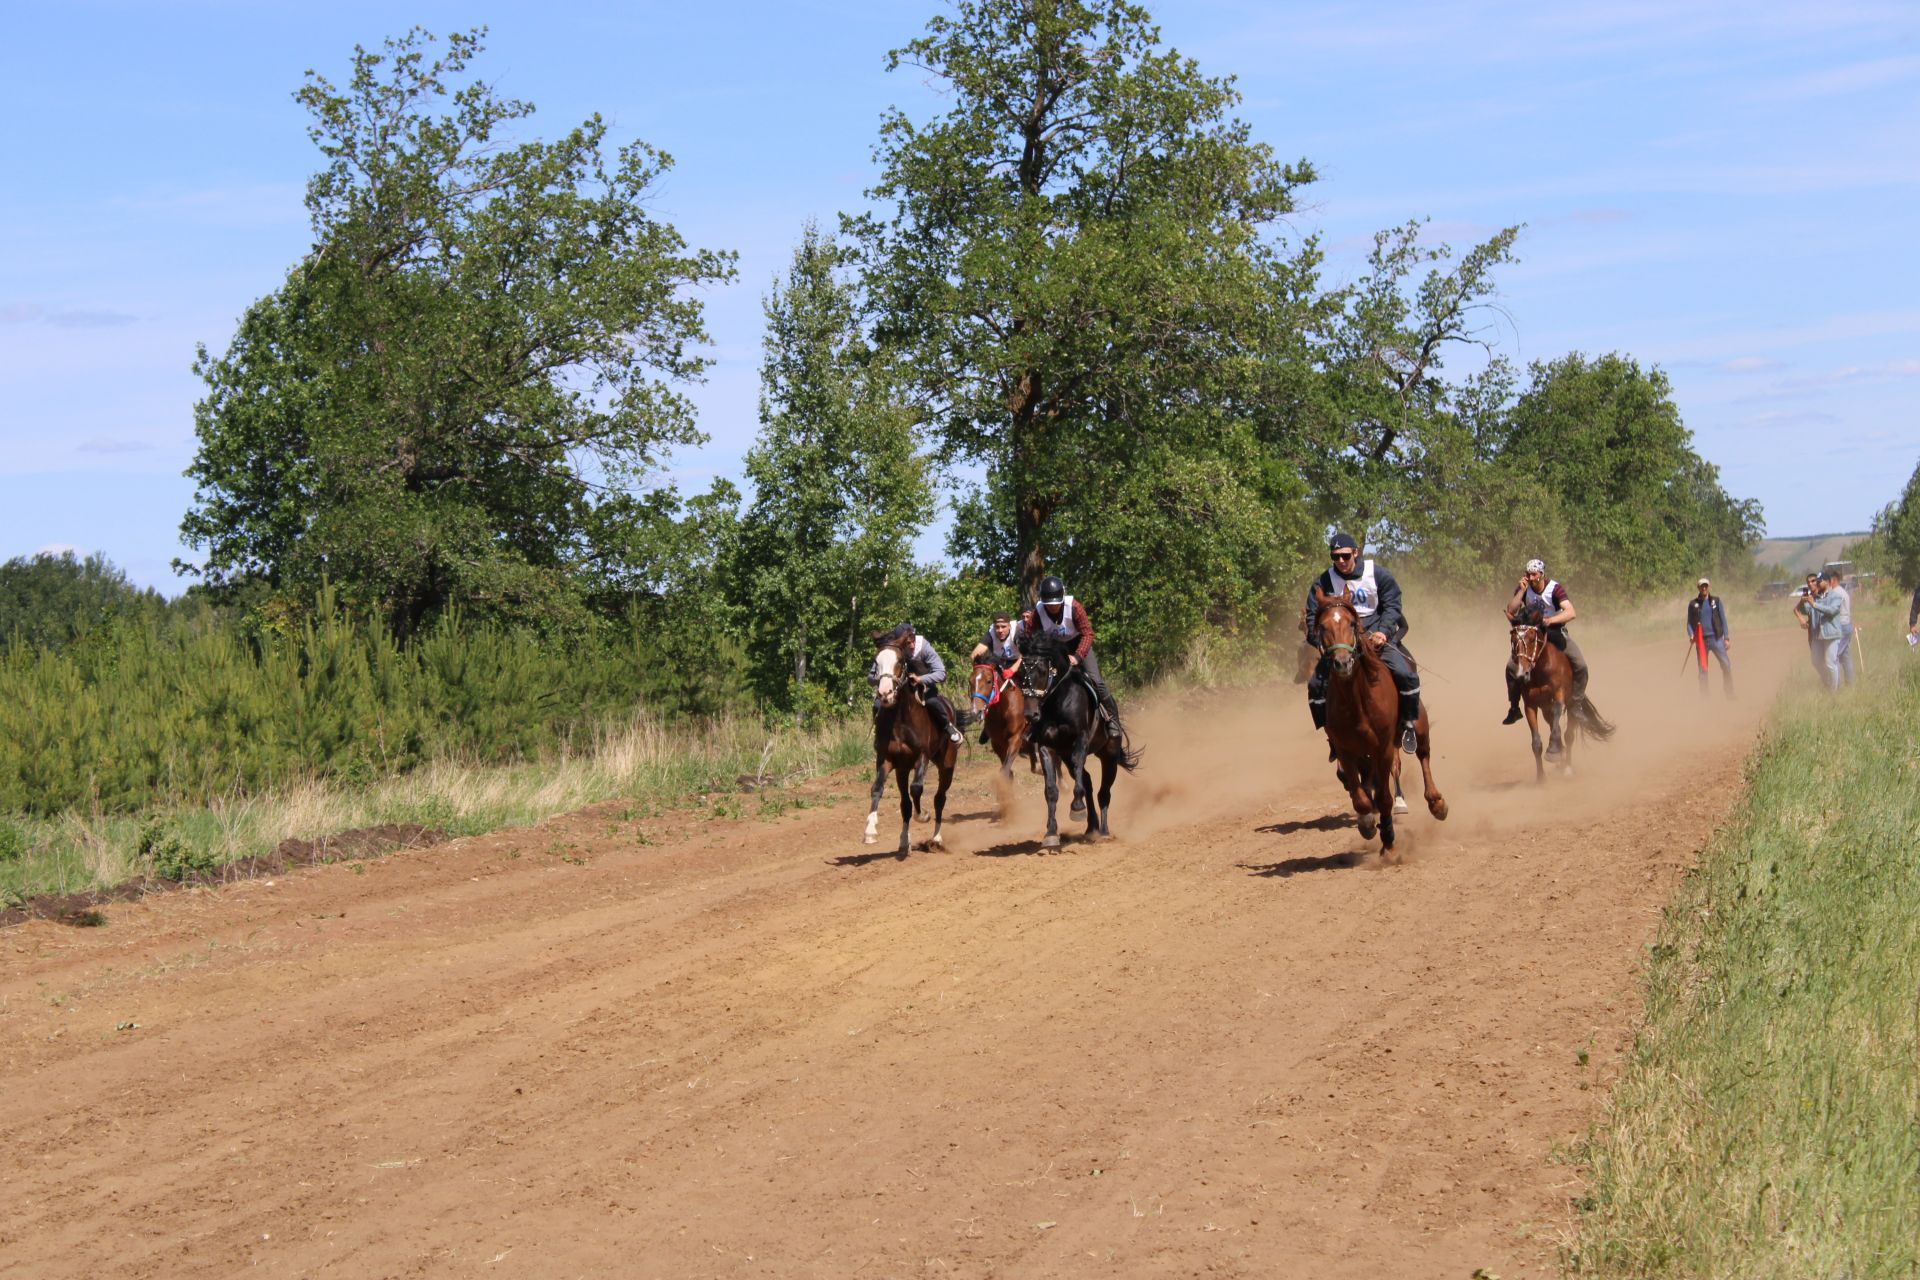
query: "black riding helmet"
1052, 590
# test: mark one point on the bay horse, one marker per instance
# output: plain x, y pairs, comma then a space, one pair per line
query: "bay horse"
1064, 722
1363, 709
999, 700
1546, 687
905, 739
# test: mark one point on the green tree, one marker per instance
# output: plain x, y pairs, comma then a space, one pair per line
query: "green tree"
455, 396
1074, 259
840, 489
50, 599
1383, 447
1896, 534
1639, 506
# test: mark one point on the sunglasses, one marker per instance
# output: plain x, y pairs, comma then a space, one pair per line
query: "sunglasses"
1343, 555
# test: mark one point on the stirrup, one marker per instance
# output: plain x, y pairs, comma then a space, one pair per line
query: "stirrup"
1409, 739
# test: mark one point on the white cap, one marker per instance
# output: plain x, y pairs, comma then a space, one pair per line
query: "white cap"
1536, 566
1703, 583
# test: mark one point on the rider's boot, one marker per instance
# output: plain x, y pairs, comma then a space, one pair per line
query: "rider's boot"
1111, 710
1513, 702
1318, 710
1409, 713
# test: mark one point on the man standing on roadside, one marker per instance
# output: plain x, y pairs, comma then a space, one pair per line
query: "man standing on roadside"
1816, 652
1823, 619
1842, 659
1708, 616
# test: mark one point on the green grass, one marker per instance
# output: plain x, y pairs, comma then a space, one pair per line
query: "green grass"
1767, 1120
649, 764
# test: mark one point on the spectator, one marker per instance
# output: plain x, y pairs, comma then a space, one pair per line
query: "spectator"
1843, 660
1913, 618
1816, 653
1708, 615
1823, 616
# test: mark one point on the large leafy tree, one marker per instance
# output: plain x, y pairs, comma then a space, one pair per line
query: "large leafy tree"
840, 488
52, 598
1895, 544
1639, 506
455, 397
1076, 262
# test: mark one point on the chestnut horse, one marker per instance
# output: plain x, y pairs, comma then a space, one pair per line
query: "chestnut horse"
905, 739
999, 701
1546, 686
1362, 714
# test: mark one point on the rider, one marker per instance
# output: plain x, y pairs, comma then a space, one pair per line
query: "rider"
1539, 592
925, 670
1375, 597
1000, 646
1060, 616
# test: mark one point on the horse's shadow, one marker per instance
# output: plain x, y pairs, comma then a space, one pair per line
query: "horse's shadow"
1296, 866
1326, 822
862, 859
1023, 848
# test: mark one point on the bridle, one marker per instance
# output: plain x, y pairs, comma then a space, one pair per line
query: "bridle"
1528, 642
1001, 681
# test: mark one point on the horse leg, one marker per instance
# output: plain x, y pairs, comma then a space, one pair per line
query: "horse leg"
1399, 796
1354, 778
1566, 759
1436, 803
919, 785
1082, 789
873, 798
903, 774
1108, 768
1382, 799
1051, 782
1533, 728
945, 780
1554, 712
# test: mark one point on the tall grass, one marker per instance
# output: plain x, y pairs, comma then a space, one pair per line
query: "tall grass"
1767, 1122
642, 760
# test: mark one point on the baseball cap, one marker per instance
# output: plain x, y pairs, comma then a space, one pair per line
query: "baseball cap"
1703, 583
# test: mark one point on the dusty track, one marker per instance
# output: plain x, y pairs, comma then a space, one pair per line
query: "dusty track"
1224, 1044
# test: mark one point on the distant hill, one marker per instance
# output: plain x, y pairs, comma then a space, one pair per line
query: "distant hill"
1803, 555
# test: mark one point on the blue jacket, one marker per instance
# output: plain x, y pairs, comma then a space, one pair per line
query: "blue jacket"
1823, 611
1716, 622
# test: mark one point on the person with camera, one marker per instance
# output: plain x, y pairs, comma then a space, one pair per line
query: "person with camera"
1823, 611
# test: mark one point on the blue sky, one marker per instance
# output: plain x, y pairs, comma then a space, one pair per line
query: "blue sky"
1724, 189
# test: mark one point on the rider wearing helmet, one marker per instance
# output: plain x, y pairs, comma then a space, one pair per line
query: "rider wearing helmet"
925, 670
1546, 600
1376, 600
1059, 616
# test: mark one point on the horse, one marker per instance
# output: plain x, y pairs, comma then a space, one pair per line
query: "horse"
905, 739
1363, 709
999, 700
1064, 721
1546, 685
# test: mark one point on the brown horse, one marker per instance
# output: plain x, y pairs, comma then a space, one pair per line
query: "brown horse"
905, 739
998, 700
1362, 710
1546, 686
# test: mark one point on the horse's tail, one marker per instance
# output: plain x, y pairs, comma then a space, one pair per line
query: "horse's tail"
1589, 717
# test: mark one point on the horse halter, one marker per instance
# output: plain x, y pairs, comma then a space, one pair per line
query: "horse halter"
1000, 681
1528, 642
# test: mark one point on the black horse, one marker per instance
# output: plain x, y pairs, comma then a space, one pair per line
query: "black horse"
1064, 722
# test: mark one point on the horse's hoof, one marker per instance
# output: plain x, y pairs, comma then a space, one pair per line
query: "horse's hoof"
871, 840
1049, 842
1399, 805
1553, 753
937, 845
1078, 809
1438, 809
1368, 825
1388, 856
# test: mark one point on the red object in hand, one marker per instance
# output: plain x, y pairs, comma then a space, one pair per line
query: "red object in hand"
1700, 645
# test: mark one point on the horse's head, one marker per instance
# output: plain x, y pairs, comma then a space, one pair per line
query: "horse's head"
987, 678
1526, 638
890, 664
1339, 630
1040, 657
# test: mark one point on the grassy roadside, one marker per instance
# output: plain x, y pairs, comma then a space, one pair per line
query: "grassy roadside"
642, 760
1767, 1120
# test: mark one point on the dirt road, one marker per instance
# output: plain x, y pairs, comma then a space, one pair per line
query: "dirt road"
1229, 1043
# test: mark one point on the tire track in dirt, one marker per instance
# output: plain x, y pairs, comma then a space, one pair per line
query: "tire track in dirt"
1221, 1045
